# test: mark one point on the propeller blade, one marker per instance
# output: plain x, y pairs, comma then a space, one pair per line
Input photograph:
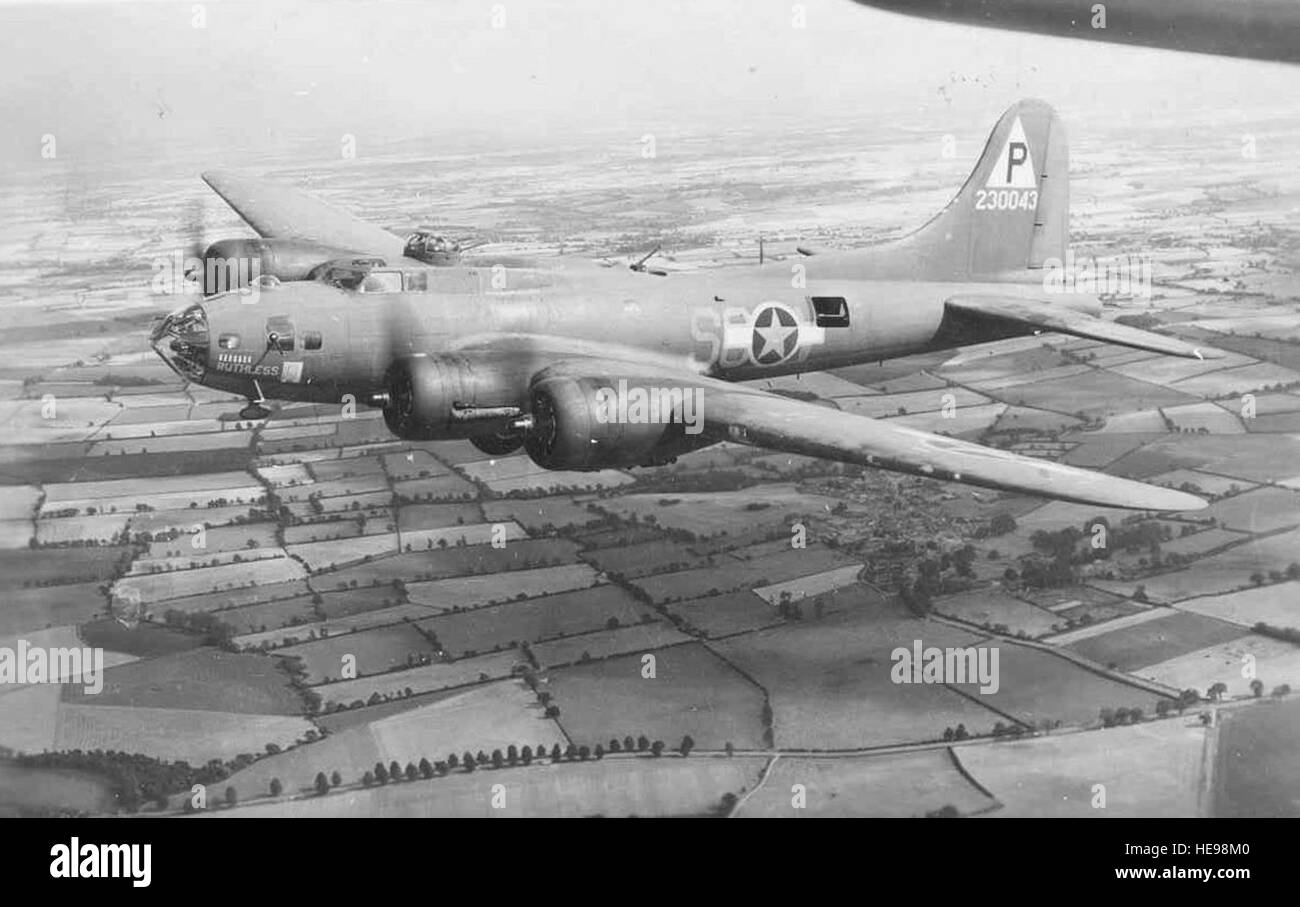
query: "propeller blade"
194, 228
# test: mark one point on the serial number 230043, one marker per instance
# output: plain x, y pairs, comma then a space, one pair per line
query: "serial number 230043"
1006, 199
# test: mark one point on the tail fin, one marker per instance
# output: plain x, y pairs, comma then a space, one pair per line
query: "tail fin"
1010, 216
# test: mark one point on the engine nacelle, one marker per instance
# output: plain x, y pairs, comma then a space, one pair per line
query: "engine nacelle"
230, 264
441, 397
575, 426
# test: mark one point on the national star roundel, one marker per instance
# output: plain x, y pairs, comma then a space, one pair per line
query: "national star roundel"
776, 335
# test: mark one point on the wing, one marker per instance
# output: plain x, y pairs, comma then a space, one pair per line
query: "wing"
1255, 29
750, 416
1046, 316
281, 212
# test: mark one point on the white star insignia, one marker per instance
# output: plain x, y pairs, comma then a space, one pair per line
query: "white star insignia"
774, 337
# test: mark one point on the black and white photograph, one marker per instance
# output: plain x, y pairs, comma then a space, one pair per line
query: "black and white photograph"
719, 409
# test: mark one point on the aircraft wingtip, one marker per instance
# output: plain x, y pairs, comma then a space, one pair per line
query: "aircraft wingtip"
1171, 501
1131, 494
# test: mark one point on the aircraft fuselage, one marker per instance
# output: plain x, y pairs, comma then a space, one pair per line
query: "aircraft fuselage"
732, 324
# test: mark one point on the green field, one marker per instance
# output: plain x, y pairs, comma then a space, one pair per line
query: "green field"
725, 614
741, 570
51, 606
644, 558
830, 687
373, 651
268, 615
442, 563
424, 679
693, 692
438, 516
906, 785
535, 619
669, 786
44, 791
1257, 774
1037, 687
200, 679
1149, 770
144, 640
61, 567
355, 601
1156, 640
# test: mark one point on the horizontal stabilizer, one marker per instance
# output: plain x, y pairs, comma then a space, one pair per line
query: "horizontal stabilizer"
1041, 315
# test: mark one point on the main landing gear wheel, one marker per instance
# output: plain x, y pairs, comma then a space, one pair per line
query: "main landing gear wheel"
498, 444
254, 412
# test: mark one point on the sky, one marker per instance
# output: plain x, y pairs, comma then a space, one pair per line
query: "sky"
237, 79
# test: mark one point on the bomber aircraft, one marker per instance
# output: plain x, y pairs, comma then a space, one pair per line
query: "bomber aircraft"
547, 358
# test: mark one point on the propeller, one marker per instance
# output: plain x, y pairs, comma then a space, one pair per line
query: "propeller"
193, 229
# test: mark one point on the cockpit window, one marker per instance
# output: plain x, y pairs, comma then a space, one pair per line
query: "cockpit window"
345, 278
279, 333
382, 282
416, 281
182, 340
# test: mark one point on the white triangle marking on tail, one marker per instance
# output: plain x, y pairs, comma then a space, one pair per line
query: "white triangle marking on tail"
1014, 168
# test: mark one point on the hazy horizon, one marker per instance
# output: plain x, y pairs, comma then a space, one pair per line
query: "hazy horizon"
266, 79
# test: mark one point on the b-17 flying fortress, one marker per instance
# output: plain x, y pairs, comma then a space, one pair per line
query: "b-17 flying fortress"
543, 410
513, 357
